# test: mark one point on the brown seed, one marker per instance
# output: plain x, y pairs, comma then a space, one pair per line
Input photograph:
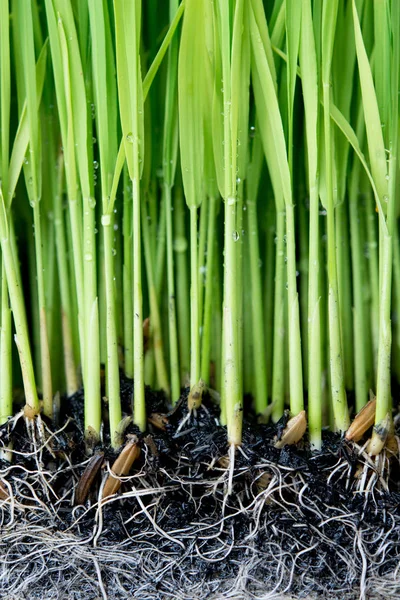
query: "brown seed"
294, 430
87, 478
362, 422
121, 467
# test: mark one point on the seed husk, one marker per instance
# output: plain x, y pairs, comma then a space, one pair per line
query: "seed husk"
121, 467
294, 430
87, 478
362, 422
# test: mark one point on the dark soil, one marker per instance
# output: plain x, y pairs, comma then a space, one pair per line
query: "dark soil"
308, 524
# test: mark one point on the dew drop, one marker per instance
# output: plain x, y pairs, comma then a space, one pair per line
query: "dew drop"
235, 236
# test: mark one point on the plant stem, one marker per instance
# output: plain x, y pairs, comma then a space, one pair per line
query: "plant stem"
208, 300
259, 354
138, 352
278, 376
127, 277
360, 347
155, 321
18, 309
5, 352
113, 389
194, 302
230, 377
182, 285
173, 333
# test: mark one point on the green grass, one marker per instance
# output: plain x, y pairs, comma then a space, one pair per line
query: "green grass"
220, 168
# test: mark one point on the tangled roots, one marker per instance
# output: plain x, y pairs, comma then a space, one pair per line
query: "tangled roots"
294, 527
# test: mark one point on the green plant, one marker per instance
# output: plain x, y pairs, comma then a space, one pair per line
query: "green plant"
244, 101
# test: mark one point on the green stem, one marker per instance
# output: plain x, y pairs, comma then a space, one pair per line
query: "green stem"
373, 274
5, 352
216, 346
344, 288
91, 368
335, 343
314, 326
396, 284
139, 397
239, 280
113, 389
360, 346
295, 362
278, 375
161, 242
44, 342
268, 290
303, 267
182, 285
230, 377
173, 332
202, 251
155, 321
259, 354
208, 300
194, 302
18, 309
127, 277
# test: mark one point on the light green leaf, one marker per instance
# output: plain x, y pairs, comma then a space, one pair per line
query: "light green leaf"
376, 147
130, 90
191, 92
22, 136
268, 108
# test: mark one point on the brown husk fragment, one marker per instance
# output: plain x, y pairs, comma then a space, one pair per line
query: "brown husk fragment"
88, 477
158, 420
362, 422
294, 430
121, 467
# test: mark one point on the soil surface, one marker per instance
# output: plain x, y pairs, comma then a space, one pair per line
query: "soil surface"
311, 525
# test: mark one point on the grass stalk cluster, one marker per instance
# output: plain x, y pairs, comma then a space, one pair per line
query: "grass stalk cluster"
201, 194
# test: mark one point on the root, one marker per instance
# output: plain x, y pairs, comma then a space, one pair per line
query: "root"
246, 527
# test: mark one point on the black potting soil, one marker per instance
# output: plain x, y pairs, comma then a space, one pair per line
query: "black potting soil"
304, 524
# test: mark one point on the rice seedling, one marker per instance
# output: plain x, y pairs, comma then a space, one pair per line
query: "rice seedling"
200, 292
